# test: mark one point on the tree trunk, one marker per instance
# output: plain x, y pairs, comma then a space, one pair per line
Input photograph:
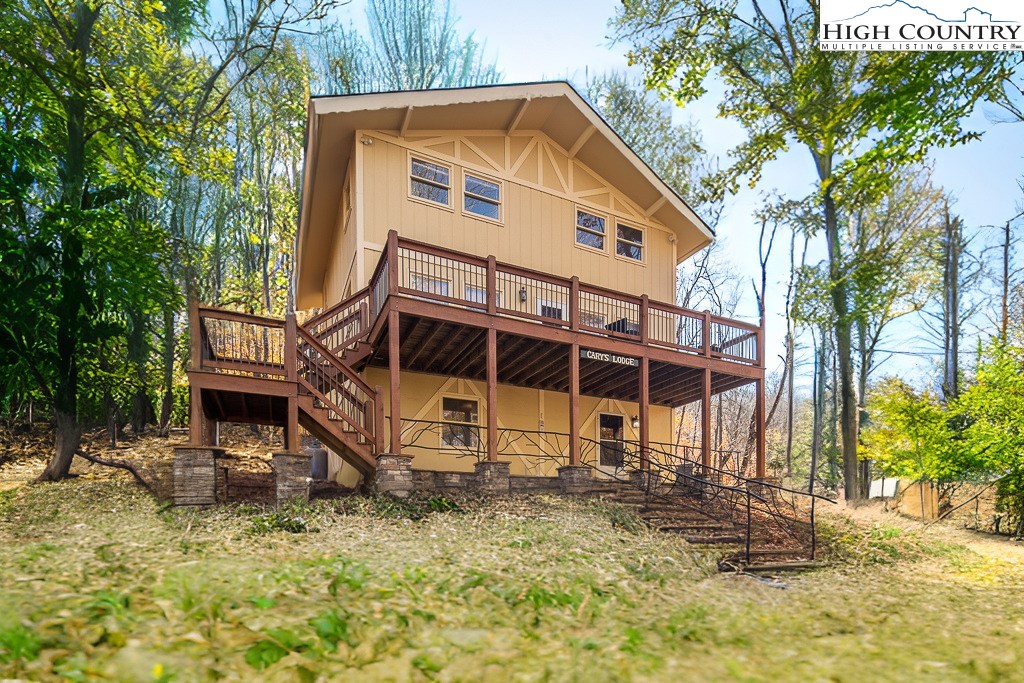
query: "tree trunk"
952, 248
73, 297
167, 403
67, 439
848, 417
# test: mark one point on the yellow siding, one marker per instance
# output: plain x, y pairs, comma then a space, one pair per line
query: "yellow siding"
538, 226
529, 410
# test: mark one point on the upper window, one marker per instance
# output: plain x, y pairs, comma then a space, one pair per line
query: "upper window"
589, 230
430, 181
461, 418
482, 197
629, 242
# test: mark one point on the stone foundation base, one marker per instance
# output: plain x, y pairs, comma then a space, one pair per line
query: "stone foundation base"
575, 478
292, 473
394, 475
195, 475
491, 477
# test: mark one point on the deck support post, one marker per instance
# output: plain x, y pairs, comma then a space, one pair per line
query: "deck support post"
645, 414
705, 418
574, 405
492, 395
291, 340
394, 367
760, 406
759, 419
196, 433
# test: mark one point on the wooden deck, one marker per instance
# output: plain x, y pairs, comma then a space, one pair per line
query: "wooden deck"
434, 310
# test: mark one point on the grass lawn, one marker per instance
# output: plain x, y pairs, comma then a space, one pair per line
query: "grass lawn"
101, 583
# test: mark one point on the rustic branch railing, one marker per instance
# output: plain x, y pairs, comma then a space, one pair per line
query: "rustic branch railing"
428, 272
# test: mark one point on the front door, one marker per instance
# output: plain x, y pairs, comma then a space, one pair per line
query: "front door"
610, 434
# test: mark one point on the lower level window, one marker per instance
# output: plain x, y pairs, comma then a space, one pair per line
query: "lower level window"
460, 428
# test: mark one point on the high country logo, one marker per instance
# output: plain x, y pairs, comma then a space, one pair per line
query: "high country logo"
907, 25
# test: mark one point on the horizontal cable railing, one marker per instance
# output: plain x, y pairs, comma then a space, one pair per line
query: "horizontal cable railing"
239, 344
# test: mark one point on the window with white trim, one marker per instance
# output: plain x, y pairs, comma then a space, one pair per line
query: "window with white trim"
478, 295
431, 285
482, 197
430, 181
629, 242
460, 426
589, 230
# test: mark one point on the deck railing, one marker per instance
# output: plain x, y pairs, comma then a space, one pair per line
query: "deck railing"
246, 345
342, 325
235, 343
425, 271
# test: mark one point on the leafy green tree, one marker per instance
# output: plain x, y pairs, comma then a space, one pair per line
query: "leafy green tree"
860, 115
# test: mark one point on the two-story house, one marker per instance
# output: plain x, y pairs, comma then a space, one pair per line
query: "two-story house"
495, 271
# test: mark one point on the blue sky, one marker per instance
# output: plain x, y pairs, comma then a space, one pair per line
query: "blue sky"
572, 42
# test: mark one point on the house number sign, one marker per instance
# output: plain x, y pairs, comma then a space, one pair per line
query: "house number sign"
587, 354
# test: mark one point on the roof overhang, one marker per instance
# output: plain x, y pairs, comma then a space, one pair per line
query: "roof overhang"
553, 108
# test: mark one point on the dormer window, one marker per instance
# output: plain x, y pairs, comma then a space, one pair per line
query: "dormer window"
482, 197
430, 181
589, 230
629, 242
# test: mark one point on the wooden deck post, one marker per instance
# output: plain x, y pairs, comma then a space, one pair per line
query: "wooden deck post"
645, 314
574, 306
394, 267
574, 404
195, 328
705, 417
196, 434
394, 368
291, 427
492, 285
760, 408
492, 394
378, 420
645, 413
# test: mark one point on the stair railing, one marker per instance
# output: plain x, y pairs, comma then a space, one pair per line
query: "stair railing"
343, 325
339, 390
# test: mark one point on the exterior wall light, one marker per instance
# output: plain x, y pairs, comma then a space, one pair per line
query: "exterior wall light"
522, 295
635, 422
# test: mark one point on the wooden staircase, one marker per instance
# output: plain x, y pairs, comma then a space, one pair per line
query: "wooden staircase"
307, 371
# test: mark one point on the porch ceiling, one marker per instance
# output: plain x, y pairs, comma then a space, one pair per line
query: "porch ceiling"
451, 348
